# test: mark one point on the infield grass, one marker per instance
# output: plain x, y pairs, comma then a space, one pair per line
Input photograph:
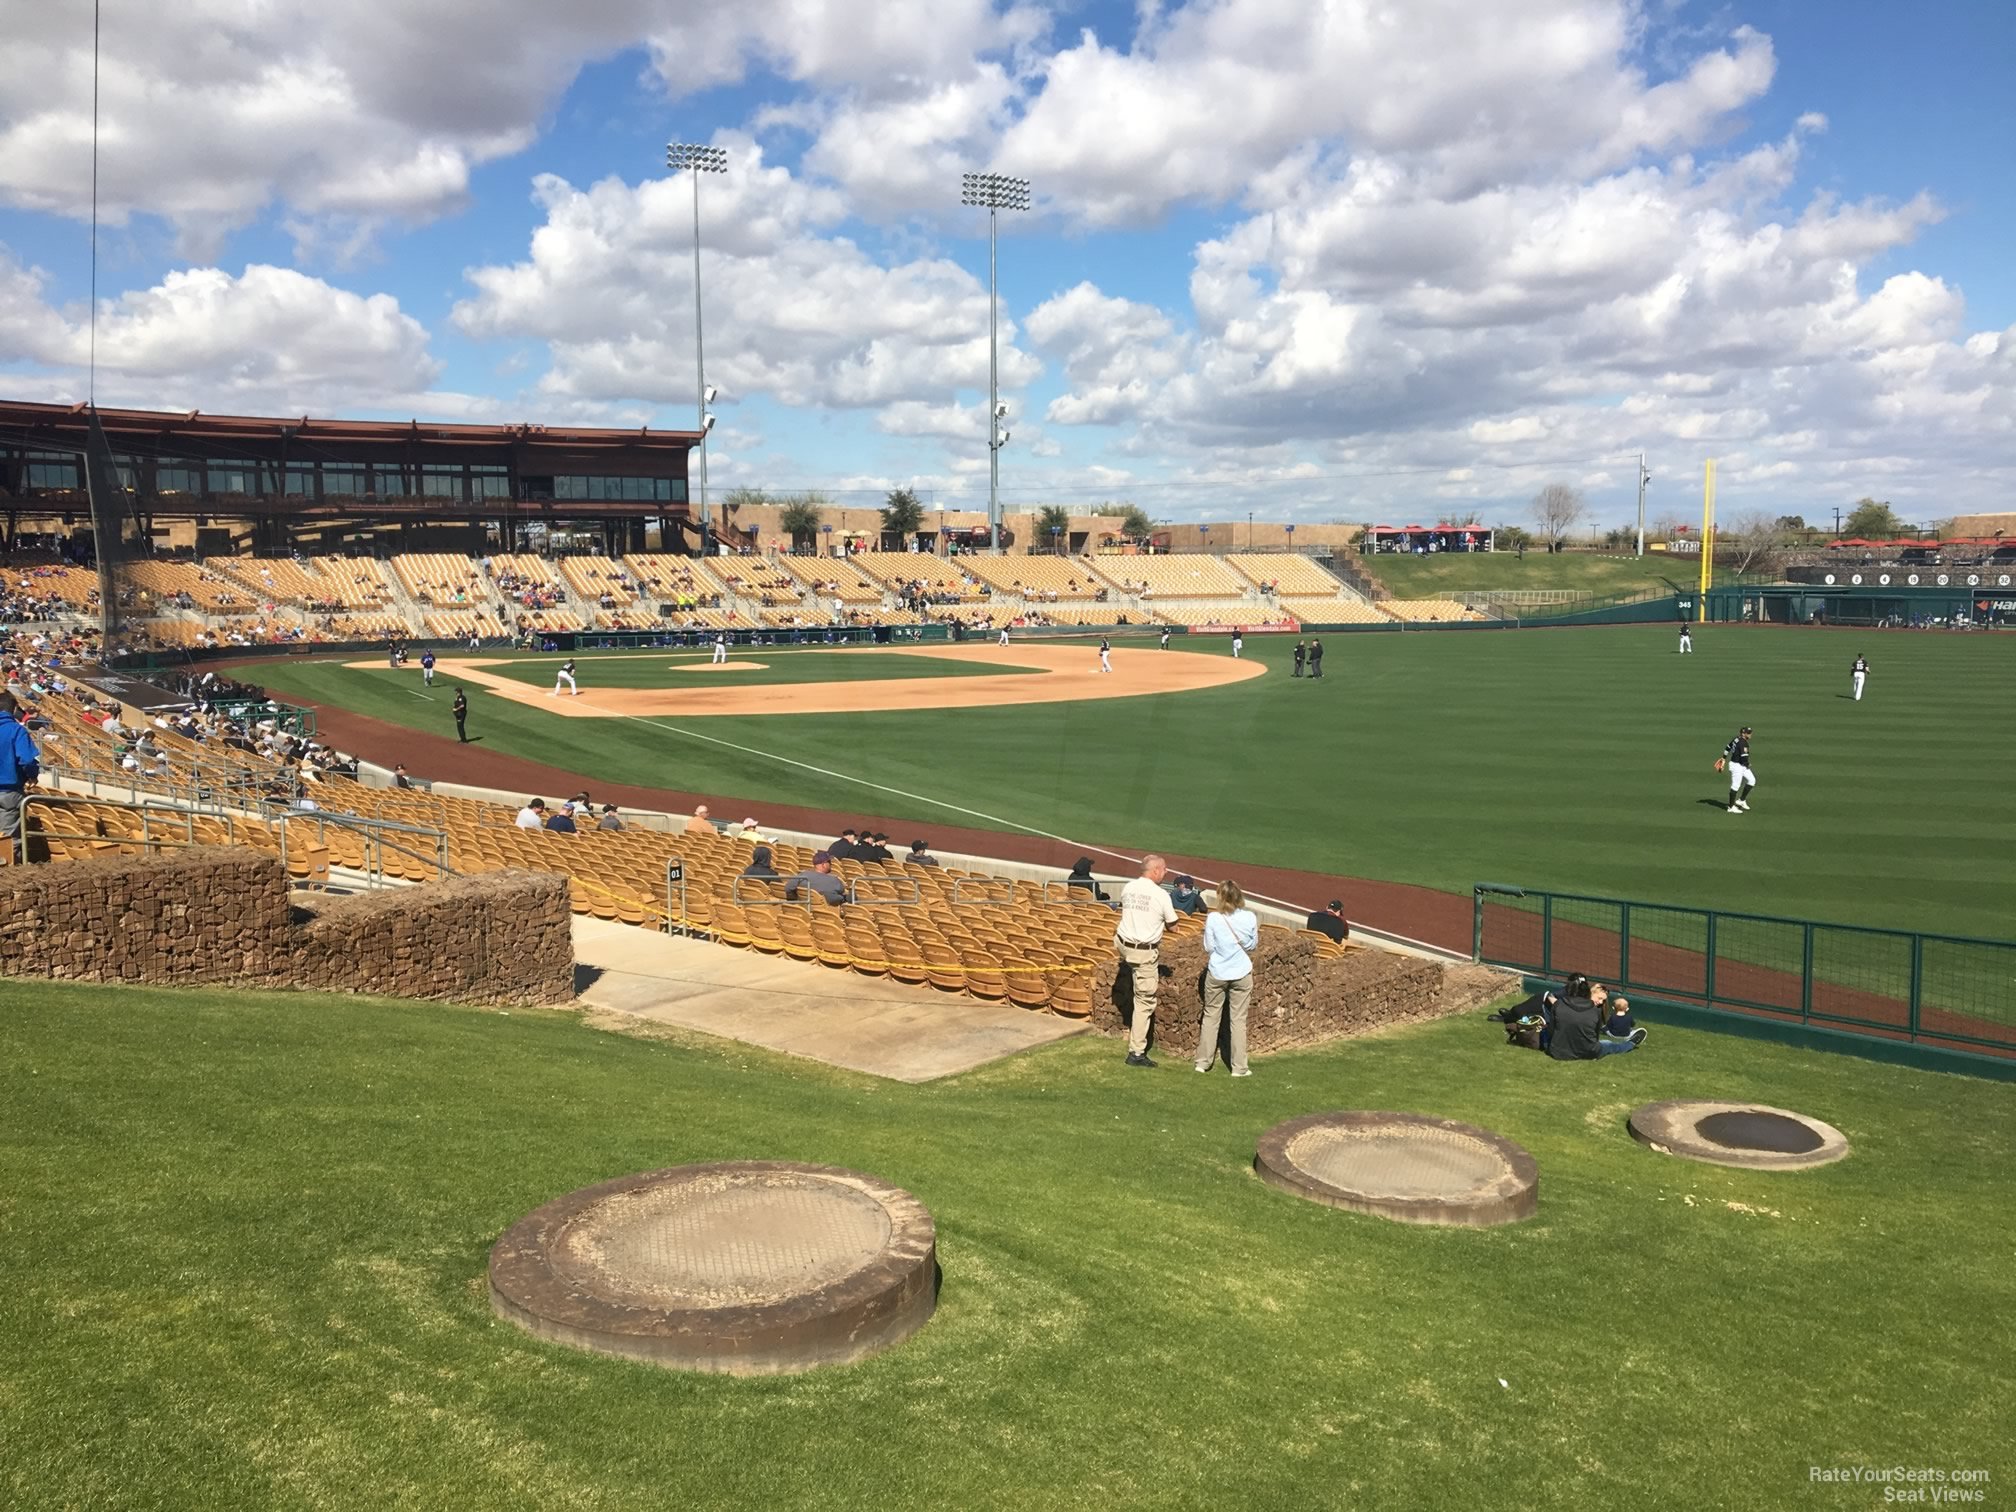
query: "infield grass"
246, 1239
762, 666
1578, 760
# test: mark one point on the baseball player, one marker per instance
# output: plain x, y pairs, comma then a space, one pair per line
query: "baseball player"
1860, 674
1105, 654
1165, 637
1735, 759
1004, 635
461, 711
475, 640
565, 675
427, 668
1686, 640
1238, 642
720, 648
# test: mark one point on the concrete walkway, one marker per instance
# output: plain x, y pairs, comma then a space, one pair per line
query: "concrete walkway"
910, 1034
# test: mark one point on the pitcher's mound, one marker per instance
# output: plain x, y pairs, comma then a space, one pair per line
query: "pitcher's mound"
751, 1267
726, 666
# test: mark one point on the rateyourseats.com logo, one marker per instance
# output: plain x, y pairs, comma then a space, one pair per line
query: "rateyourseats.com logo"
1926, 1485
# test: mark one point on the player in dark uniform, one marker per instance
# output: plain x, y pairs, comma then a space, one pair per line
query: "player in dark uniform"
1315, 658
461, 709
1735, 759
1301, 653
427, 668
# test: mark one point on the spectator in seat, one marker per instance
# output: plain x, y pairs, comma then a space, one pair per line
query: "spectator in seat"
562, 821
761, 867
920, 854
845, 848
1329, 920
818, 878
533, 815
1080, 876
1185, 896
610, 819
700, 824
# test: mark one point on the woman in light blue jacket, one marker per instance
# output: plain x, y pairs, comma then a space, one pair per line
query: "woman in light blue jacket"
1229, 933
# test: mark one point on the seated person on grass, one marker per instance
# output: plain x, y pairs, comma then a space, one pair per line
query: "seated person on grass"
1577, 1032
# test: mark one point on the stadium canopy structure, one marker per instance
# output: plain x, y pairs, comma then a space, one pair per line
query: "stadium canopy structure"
274, 471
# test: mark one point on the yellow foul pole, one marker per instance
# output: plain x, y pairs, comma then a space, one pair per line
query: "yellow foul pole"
1707, 540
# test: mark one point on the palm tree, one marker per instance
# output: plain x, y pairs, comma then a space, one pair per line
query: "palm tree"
902, 516
1053, 524
800, 521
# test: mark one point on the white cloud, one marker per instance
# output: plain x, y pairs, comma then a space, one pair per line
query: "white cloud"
213, 109
804, 317
269, 338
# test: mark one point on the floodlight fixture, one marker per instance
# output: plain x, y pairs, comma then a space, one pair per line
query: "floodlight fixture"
994, 192
700, 158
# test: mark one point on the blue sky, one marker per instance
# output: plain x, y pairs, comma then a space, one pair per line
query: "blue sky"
1328, 263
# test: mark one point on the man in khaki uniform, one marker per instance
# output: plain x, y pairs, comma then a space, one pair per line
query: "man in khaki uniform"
1145, 911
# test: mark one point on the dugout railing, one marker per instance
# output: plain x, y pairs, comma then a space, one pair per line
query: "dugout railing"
1951, 992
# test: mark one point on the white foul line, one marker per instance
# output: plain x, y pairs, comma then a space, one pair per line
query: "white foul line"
1132, 860
879, 787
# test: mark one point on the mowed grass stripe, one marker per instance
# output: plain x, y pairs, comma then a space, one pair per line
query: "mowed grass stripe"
1578, 760
247, 1239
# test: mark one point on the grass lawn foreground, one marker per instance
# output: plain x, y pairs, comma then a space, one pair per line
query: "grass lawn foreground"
246, 1238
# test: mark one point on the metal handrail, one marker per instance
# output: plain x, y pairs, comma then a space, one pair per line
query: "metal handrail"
915, 899
373, 830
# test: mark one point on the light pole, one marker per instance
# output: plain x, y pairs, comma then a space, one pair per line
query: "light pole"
1644, 477
680, 156
993, 192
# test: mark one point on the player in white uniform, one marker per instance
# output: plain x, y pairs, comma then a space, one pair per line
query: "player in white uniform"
1238, 643
1004, 635
1165, 637
564, 675
1686, 640
1860, 674
720, 648
1105, 654
1735, 758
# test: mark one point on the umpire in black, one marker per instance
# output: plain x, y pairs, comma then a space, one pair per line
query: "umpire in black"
461, 709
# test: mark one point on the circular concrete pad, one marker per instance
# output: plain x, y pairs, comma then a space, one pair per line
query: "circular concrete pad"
1750, 1135
751, 1267
1404, 1166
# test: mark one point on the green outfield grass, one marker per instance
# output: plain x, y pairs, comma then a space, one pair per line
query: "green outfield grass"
1572, 759
677, 669
1483, 571
246, 1240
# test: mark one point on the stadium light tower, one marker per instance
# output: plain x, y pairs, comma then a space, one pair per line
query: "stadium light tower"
679, 157
993, 192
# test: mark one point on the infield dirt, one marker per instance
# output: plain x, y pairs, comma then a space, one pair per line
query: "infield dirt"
1051, 674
